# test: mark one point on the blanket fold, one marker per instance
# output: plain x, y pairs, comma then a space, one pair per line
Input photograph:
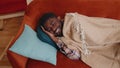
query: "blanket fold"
96, 39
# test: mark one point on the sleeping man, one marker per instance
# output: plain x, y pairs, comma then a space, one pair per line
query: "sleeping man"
94, 40
52, 25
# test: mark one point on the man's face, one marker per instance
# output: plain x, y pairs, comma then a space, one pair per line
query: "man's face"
54, 26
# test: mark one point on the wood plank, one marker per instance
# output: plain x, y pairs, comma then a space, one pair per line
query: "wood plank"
11, 27
1, 24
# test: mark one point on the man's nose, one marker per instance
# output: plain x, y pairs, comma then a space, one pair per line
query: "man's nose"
54, 29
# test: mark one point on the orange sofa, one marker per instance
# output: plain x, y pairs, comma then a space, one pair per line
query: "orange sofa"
98, 8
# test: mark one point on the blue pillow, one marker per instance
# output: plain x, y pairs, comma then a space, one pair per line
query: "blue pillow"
44, 37
29, 45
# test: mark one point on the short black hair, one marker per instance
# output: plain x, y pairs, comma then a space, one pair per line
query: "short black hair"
45, 17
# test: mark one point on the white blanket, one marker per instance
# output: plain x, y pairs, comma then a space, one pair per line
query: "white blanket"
97, 39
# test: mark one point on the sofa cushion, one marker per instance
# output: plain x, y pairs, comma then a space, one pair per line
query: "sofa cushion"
62, 62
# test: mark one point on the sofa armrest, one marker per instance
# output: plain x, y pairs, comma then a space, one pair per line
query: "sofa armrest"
16, 60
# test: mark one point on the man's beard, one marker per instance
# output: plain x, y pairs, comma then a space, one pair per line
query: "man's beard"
58, 32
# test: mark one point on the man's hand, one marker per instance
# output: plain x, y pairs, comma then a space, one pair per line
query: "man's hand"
52, 36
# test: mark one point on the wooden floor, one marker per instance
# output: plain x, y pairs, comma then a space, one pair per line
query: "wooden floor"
11, 27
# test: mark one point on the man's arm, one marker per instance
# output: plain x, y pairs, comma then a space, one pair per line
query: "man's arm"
72, 54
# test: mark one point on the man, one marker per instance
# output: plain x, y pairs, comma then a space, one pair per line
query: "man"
52, 25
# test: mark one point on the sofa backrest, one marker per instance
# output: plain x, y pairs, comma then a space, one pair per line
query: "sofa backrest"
96, 8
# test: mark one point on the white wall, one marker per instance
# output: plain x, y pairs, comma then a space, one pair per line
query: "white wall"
28, 1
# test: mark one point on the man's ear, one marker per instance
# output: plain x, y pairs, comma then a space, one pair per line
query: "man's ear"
59, 18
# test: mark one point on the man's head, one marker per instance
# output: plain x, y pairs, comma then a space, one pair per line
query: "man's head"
51, 23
